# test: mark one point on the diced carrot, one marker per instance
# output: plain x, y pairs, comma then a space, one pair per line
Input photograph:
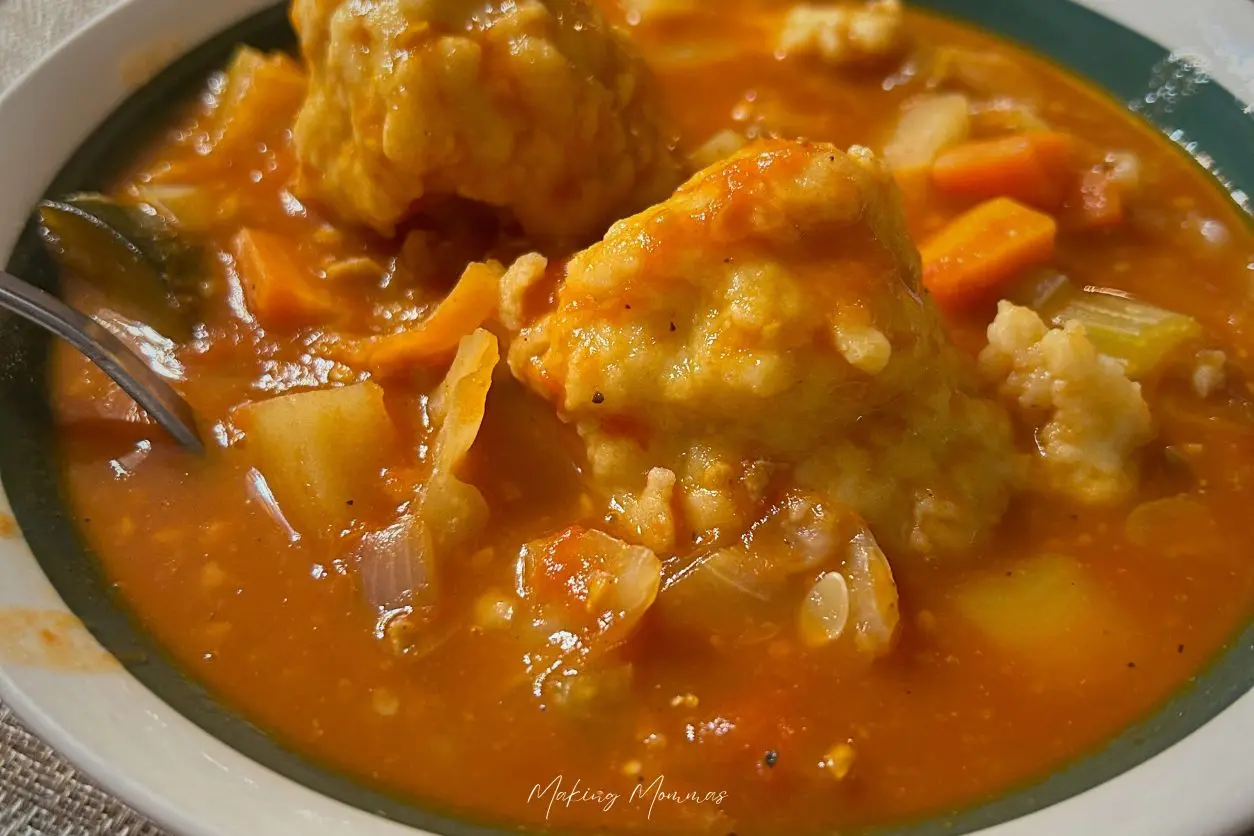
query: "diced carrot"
1096, 203
280, 291
984, 248
1035, 168
471, 301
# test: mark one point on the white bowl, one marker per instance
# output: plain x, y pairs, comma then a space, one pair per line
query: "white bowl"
94, 712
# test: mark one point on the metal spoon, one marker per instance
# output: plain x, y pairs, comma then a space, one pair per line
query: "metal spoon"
113, 357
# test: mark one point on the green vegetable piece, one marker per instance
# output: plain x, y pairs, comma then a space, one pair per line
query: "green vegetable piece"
129, 252
1139, 334
1044, 290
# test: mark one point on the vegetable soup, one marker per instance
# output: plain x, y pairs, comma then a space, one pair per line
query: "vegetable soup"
744, 418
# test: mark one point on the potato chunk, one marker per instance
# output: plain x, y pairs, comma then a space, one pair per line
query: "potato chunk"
319, 451
536, 107
1045, 611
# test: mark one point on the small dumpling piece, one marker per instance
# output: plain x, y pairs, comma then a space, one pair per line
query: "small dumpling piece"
1097, 417
536, 106
844, 34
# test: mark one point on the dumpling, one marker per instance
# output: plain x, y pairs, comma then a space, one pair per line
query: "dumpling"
763, 329
536, 106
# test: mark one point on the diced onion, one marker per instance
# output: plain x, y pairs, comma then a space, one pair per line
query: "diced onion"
873, 595
929, 124
260, 491
1125, 170
395, 567
1209, 374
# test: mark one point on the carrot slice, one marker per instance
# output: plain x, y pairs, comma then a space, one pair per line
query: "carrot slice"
471, 301
1034, 168
984, 248
280, 291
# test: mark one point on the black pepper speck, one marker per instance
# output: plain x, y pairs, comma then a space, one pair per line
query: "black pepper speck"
597, 397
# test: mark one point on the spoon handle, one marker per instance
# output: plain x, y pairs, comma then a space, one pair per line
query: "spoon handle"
114, 358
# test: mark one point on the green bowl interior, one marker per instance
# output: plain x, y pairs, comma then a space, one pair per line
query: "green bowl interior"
1114, 58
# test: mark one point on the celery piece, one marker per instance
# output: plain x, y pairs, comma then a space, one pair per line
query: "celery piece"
1138, 334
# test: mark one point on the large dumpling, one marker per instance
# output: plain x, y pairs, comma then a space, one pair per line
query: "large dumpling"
535, 106
765, 329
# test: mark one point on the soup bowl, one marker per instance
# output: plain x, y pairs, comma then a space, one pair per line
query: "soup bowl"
77, 667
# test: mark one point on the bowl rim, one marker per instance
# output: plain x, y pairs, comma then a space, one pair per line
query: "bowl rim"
193, 783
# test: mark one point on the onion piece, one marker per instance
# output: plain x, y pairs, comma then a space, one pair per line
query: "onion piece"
454, 511
396, 568
873, 595
928, 125
259, 488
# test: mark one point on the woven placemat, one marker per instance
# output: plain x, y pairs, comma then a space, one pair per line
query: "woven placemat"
42, 795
